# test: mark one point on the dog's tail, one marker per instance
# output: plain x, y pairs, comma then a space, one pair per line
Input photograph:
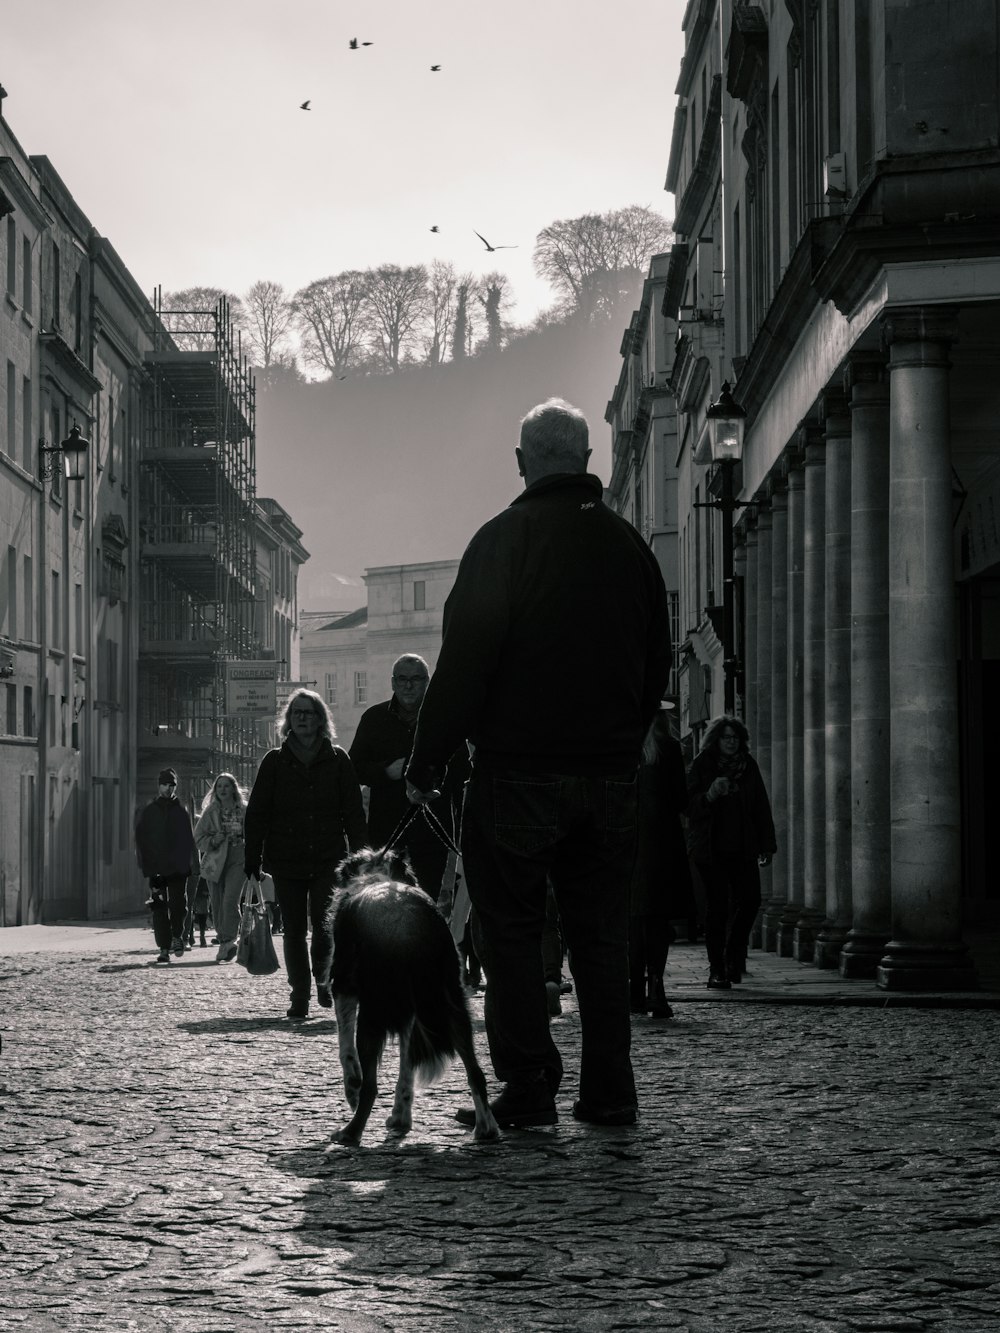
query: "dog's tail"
441, 1017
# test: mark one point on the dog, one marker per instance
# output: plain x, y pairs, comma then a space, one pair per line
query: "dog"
387, 962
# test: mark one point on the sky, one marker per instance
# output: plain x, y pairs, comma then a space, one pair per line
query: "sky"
176, 125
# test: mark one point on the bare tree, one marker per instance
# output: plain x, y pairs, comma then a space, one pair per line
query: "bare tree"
330, 315
466, 316
585, 258
441, 289
192, 316
495, 295
268, 318
398, 300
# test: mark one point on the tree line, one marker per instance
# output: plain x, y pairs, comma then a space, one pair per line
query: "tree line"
376, 320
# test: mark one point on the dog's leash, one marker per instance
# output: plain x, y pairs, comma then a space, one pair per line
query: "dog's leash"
433, 823
401, 828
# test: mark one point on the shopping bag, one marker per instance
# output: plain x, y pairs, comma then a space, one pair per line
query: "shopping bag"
254, 947
461, 904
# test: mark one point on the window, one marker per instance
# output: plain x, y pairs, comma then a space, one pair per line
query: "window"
29, 710
11, 710
25, 424
331, 688
78, 641
11, 255
26, 275
361, 687
55, 618
11, 407
28, 601
11, 618
56, 285
419, 595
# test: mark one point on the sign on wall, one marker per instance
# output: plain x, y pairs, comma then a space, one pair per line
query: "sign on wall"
251, 689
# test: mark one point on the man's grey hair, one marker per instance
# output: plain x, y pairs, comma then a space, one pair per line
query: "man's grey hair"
408, 658
555, 437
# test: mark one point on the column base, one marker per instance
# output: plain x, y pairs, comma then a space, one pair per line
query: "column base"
934, 967
786, 930
829, 942
861, 954
804, 935
770, 925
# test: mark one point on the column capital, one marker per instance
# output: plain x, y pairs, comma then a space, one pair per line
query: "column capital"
793, 458
865, 371
930, 328
834, 408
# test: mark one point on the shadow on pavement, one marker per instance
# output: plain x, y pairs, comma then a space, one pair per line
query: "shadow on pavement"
272, 1022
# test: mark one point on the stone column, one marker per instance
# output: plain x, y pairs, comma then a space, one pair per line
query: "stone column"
813, 693
760, 738
926, 951
750, 591
774, 907
867, 384
796, 841
833, 932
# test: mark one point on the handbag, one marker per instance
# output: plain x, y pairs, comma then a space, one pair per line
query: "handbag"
254, 947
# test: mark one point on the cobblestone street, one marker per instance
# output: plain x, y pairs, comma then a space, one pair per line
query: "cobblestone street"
797, 1167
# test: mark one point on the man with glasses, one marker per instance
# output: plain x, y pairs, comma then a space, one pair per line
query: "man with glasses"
381, 747
166, 852
554, 656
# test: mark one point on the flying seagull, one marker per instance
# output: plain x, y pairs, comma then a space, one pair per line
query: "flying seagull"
305, 105
354, 43
434, 68
491, 248
435, 227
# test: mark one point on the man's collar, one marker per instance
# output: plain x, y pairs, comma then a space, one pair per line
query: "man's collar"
563, 481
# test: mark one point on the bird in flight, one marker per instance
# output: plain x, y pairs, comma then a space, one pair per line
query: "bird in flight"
435, 227
434, 68
354, 43
491, 248
305, 105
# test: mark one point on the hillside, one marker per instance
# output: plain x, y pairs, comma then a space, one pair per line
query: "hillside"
405, 467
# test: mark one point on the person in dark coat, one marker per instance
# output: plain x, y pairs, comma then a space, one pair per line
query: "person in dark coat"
730, 834
304, 814
379, 752
661, 877
166, 852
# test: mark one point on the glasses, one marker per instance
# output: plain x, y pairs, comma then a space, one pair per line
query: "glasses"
410, 680
729, 736
302, 714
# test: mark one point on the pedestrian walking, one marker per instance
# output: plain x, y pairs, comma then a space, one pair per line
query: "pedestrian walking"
661, 877
730, 835
166, 852
198, 910
303, 816
379, 752
554, 657
219, 835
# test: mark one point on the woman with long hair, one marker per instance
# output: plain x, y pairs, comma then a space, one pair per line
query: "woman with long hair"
730, 835
304, 814
219, 836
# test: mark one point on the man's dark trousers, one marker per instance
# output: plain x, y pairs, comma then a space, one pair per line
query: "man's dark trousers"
169, 908
518, 830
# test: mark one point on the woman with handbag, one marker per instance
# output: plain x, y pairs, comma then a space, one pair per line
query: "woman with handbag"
304, 814
219, 836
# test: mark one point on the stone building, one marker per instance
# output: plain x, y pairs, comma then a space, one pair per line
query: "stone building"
348, 658
844, 159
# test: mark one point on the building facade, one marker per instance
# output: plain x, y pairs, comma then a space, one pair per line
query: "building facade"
349, 658
853, 167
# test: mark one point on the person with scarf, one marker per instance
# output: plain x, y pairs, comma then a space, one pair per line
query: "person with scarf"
730, 835
304, 815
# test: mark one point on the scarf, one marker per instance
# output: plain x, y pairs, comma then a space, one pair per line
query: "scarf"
304, 755
733, 768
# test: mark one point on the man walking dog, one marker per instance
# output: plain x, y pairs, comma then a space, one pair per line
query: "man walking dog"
555, 653
166, 852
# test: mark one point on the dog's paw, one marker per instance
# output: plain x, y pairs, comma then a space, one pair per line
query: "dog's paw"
488, 1132
324, 996
345, 1138
399, 1122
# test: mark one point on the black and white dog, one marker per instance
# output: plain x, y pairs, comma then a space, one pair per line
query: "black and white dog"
395, 971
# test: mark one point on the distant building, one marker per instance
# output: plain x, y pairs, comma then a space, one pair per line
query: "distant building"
348, 658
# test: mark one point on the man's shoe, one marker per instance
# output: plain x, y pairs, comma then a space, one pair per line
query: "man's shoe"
718, 981
324, 995
659, 1006
177, 946
552, 998
735, 974
517, 1108
298, 1011
164, 956
594, 1115
227, 952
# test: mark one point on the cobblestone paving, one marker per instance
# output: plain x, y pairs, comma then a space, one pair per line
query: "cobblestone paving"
796, 1168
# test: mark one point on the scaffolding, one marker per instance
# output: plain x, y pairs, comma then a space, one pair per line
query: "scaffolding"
197, 493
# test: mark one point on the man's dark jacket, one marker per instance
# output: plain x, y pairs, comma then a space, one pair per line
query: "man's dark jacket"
302, 818
164, 839
556, 641
382, 737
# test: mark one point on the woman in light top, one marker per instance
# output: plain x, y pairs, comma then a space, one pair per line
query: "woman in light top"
219, 835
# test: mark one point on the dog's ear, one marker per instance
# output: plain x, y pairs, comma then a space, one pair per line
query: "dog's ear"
401, 870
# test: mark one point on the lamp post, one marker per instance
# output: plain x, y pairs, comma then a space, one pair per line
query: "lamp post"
74, 451
726, 420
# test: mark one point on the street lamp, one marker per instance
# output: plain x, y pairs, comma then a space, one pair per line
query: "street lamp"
726, 420
74, 451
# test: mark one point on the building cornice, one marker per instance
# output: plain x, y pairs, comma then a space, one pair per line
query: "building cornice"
705, 173
14, 186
